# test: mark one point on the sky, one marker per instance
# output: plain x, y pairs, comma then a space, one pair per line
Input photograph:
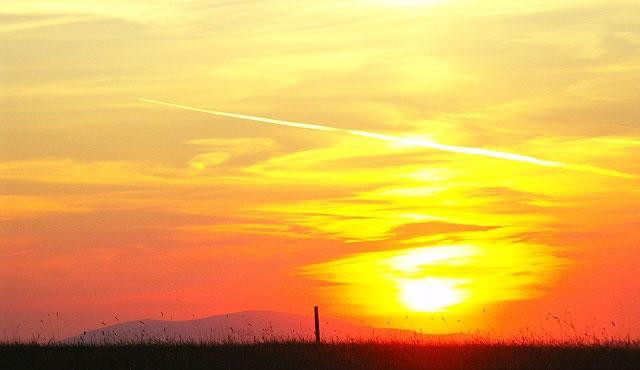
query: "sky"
456, 166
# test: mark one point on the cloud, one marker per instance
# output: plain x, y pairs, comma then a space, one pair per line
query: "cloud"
17, 23
406, 231
416, 142
70, 171
239, 152
17, 206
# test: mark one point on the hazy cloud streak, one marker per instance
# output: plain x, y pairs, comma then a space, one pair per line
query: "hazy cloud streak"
408, 141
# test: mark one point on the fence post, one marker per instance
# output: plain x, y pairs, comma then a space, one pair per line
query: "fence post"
317, 321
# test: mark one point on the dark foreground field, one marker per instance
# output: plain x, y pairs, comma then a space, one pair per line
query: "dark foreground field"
311, 356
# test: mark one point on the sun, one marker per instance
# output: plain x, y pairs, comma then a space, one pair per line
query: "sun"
430, 294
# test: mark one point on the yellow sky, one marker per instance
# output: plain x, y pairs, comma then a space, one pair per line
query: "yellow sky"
110, 203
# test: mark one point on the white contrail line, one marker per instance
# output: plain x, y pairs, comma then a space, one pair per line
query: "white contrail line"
408, 141
457, 149
272, 121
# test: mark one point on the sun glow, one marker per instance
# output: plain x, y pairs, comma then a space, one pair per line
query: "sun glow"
430, 294
450, 278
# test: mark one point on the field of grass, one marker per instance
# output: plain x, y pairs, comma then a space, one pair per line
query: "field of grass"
305, 355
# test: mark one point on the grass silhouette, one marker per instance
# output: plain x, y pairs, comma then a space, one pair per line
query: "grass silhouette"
593, 348
307, 355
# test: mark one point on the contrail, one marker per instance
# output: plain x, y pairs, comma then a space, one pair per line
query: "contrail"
408, 141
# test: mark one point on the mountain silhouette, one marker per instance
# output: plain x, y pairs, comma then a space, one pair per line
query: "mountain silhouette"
244, 327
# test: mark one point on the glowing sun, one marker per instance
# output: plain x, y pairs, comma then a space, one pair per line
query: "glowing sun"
430, 294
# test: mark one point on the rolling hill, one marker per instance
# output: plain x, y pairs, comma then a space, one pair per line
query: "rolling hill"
243, 327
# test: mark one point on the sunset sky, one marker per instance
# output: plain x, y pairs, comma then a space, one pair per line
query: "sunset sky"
442, 165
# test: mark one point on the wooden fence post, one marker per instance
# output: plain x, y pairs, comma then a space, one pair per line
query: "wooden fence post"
317, 321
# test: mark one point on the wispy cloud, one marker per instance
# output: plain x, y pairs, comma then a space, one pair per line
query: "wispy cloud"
407, 141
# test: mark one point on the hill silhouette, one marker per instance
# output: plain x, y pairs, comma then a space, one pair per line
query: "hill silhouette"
243, 327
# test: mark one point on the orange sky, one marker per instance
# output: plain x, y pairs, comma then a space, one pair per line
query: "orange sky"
112, 206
